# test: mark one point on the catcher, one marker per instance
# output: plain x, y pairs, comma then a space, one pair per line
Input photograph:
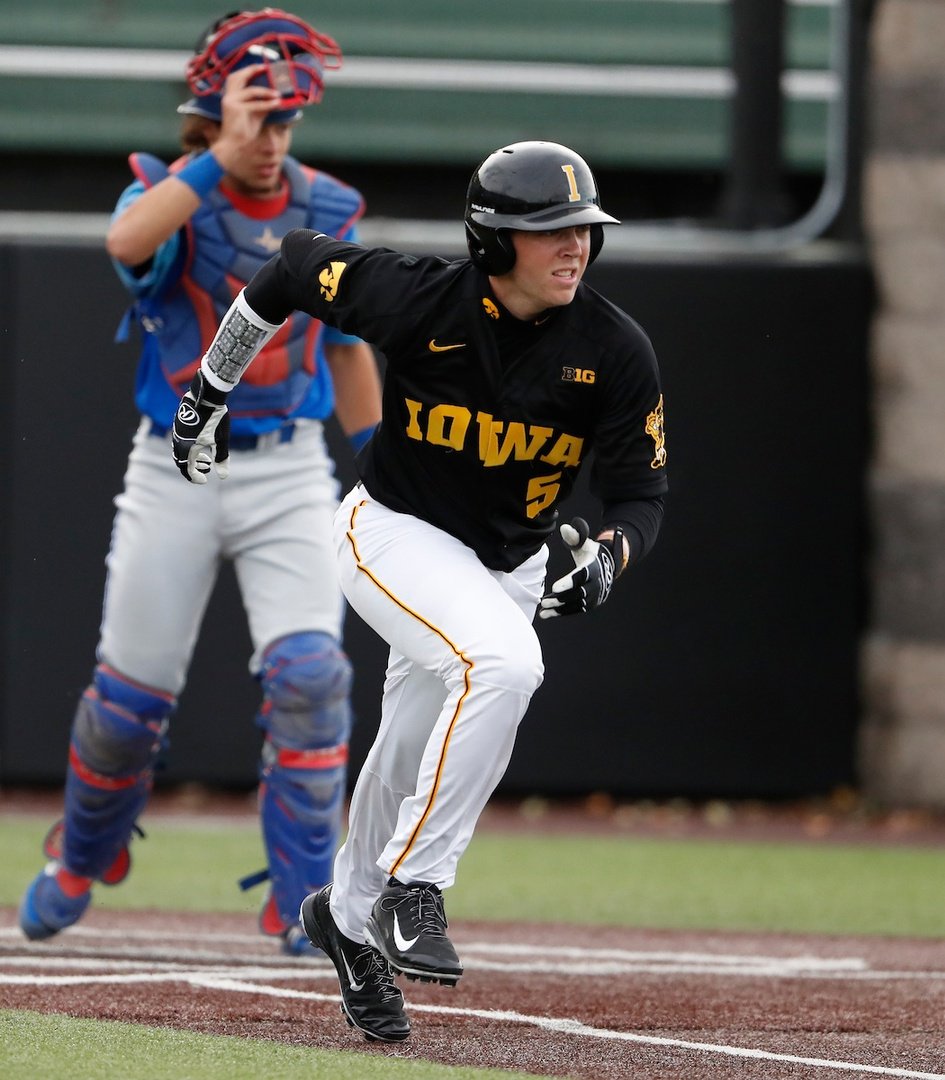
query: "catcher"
184, 239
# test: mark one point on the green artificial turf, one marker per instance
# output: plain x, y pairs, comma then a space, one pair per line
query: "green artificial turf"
816, 887
36, 1047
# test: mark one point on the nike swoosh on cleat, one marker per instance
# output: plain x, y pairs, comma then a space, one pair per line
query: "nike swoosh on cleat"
352, 982
400, 941
433, 347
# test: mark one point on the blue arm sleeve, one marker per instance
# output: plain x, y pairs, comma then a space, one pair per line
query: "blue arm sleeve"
150, 278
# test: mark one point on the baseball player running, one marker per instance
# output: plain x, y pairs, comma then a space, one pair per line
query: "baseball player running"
504, 373
185, 239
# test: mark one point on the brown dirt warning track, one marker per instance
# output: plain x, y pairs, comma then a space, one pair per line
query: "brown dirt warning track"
558, 1001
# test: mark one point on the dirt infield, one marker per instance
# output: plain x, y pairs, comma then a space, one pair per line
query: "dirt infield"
560, 1001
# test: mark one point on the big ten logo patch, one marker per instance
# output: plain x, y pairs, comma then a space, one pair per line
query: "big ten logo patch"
578, 375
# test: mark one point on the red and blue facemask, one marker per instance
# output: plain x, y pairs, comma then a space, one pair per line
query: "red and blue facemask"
295, 56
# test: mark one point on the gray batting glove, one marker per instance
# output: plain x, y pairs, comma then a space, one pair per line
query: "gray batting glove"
202, 432
588, 585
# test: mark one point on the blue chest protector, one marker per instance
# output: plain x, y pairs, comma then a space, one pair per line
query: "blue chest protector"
219, 250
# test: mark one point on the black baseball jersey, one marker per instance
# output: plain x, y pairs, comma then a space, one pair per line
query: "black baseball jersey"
487, 418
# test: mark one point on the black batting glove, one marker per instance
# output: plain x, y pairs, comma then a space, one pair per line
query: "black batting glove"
202, 432
588, 585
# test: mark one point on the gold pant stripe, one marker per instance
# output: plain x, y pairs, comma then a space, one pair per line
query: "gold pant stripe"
459, 704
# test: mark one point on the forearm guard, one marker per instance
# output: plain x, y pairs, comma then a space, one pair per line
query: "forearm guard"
238, 341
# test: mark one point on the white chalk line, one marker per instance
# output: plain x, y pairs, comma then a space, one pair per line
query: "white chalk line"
245, 978
567, 1026
511, 958
487, 956
253, 942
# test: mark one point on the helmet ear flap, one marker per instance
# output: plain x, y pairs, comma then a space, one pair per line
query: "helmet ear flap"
597, 242
505, 252
491, 250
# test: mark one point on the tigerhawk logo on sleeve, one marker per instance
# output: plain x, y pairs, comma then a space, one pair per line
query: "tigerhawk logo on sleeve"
328, 280
654, 428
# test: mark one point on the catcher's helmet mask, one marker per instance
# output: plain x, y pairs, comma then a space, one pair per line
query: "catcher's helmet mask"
294, 54
534, 187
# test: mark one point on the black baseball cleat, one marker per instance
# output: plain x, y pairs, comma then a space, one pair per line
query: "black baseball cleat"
370, 1000
408, 925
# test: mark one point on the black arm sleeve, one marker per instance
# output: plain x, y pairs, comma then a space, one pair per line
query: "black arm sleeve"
269, 293
640, 520
277, 288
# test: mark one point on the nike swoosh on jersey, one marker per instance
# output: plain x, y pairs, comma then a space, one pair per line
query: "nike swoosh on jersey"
402, 943
352, 982
433, 347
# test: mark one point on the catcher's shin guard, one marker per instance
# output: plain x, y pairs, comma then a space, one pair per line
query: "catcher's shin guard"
306, 715
117, 733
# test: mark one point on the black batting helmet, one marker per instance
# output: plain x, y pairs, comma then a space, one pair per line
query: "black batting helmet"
532, 186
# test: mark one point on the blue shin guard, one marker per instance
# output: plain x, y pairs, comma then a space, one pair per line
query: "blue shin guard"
117, 733
306, 715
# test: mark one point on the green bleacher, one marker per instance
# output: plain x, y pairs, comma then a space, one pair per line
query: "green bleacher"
678, 129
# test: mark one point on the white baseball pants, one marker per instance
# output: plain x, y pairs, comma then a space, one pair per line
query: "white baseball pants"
272, 517
464, 663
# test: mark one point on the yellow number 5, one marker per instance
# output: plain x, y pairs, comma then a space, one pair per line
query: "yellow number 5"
542, 492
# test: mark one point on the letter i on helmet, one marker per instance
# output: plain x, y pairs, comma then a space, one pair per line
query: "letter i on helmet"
295, 55
532, 186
